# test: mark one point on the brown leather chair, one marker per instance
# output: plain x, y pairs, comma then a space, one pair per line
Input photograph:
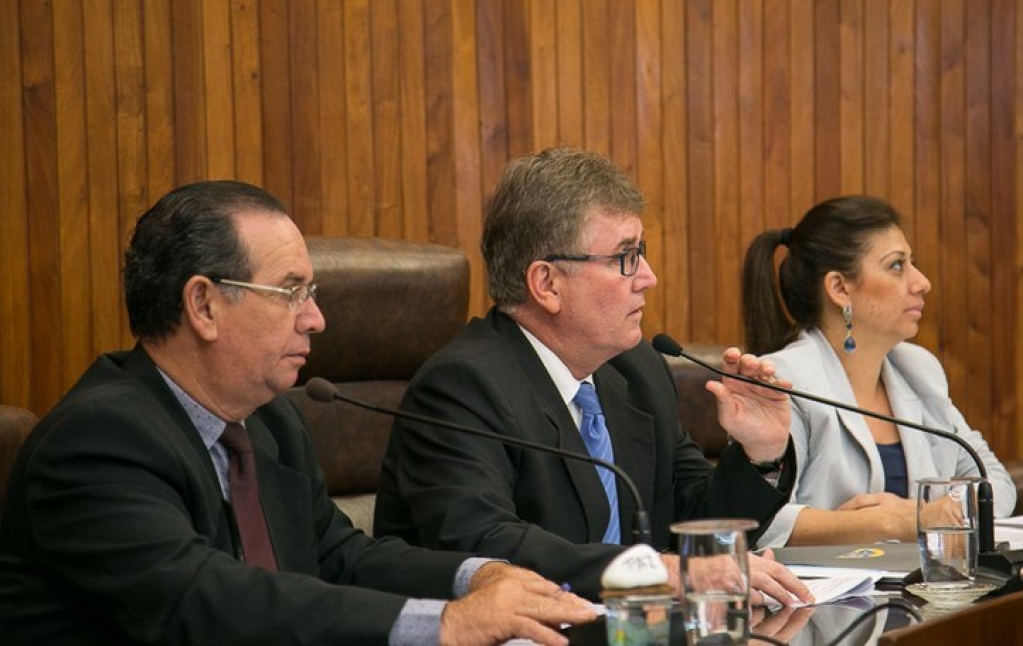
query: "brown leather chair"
15, 425
389, 305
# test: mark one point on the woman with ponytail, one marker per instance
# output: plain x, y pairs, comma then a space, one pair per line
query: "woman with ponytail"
836, 317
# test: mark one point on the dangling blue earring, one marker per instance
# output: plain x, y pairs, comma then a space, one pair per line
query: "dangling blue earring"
850, 342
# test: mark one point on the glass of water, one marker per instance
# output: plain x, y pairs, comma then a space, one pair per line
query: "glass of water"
715, 580
946, 522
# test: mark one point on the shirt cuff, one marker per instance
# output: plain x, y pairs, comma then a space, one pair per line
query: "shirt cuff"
418, 623
467, 570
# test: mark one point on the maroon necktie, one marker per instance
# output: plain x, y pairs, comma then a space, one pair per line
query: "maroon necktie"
256, 547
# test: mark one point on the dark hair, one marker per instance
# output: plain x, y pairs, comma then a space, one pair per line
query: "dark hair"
539, 209
832, 236
188, 232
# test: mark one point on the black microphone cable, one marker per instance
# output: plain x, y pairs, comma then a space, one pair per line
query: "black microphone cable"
321, 390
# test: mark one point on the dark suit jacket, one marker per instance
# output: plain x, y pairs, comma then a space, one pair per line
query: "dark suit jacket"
447, 490
114, 531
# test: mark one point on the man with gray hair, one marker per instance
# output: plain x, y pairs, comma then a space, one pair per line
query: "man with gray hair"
560, 360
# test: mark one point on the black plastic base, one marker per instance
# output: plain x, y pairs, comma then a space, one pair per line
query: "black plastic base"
1001, 567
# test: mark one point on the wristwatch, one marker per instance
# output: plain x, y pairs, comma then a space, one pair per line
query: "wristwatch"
768, 467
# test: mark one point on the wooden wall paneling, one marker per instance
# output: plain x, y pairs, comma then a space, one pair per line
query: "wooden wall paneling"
729, 190
622, 46
927, 168
385, 100
412, 52
42, 192
493, 84
396, 117
676, 234
72, 193
147, 137
217, 80
571, 73
596, 70
955, 318
851, 68
518, 79
803, 120
191, 160
104, 237
440, 116
900, 84
742, 216
361, 129
306, 137
877, 107
827, 162
977, 214
145, 153
778, 131
331, 119
247, 89
650, 167
466, 154
1004, 208
701, 289
543, 73
274, 31
16, 364
1016, 312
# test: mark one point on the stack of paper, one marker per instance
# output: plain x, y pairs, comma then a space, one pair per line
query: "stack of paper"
833, 584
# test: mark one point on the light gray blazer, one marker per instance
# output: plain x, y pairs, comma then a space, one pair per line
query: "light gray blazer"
836, 454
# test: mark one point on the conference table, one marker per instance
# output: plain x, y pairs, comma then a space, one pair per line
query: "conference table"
996, 619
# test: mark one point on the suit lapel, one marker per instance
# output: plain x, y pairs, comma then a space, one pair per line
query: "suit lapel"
564, 433
834, 379
907, 405
142, 368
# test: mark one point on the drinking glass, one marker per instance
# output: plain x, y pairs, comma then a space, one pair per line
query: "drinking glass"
714, 571
946, 521
639, 619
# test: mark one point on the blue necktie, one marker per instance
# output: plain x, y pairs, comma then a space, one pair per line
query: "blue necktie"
598, 443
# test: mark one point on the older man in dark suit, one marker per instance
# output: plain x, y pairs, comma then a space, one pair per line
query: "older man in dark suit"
172, 497
560, 359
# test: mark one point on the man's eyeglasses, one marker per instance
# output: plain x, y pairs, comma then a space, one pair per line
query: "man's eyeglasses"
297, 295
628, 260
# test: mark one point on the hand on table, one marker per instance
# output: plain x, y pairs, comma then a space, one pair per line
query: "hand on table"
506, 602
766, 577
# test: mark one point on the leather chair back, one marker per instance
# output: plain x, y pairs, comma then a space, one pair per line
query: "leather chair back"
389, 305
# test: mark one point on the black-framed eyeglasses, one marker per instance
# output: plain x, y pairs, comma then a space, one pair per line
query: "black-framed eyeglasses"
628, 260
297, 295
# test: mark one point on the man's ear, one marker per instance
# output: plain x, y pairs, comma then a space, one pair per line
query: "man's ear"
544, 285
201, 307
837, 288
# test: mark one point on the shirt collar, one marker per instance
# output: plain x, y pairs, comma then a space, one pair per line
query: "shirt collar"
209, 425
564, 381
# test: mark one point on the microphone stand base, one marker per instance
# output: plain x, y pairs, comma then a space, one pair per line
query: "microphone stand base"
1004, 565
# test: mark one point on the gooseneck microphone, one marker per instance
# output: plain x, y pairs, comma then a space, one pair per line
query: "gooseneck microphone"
321, 390
989, 557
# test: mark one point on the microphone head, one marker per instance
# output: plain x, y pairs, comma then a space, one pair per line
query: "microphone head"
321, 390
667, 345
